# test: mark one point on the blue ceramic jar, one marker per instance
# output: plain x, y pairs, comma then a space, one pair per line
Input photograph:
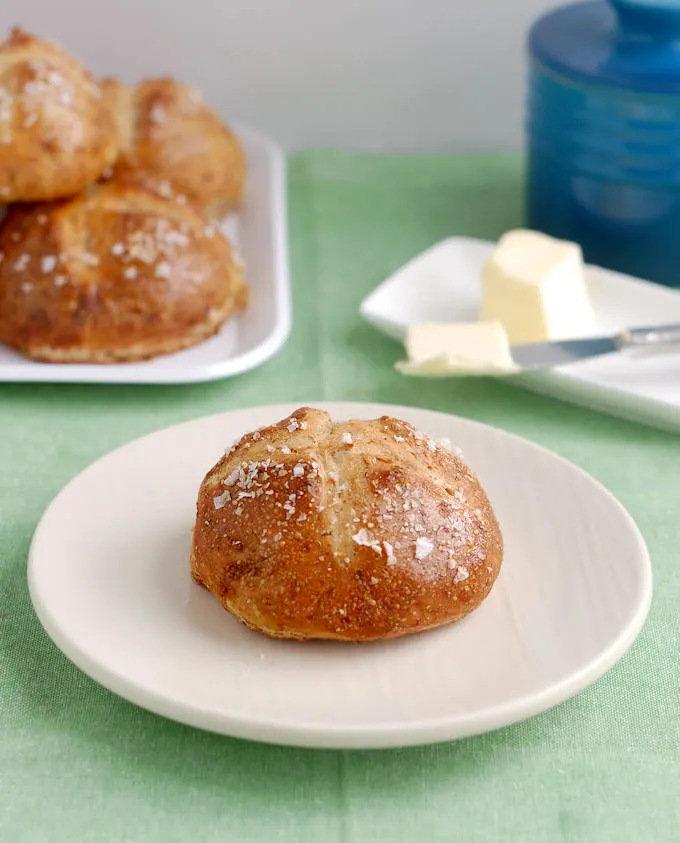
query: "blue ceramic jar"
604, 133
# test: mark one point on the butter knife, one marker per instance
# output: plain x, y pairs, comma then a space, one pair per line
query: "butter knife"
559, 353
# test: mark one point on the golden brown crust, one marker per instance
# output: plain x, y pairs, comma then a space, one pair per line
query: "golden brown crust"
353, 531
57, 134
167, 132
115, 274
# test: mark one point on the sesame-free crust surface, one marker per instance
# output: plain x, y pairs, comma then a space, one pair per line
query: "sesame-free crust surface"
118, 273
57, 134
354, 531
167, 132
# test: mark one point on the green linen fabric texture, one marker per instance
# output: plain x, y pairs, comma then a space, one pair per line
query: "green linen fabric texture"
80, 765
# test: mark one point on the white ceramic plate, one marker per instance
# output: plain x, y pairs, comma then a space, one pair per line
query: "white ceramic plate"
259, 233
109, 578
443, 284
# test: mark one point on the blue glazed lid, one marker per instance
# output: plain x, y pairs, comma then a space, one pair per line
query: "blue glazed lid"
628, 44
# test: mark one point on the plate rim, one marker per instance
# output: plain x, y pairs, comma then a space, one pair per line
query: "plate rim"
128, 374
374, 736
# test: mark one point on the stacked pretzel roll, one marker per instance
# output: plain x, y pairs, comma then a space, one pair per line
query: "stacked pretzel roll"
109, 251
57, 134
165, 131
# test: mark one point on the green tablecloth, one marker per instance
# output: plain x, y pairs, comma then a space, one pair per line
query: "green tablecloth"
77, 764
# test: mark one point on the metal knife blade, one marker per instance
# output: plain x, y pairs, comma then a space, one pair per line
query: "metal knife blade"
547, 354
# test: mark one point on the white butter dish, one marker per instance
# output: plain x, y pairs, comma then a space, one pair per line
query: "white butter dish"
443, 284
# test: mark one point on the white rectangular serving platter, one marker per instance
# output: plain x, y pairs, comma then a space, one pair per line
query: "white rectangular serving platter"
443, 284
259, 234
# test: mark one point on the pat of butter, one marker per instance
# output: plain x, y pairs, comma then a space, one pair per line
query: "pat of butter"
534, 285
475, 348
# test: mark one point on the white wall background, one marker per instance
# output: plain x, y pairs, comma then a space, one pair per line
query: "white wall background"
397, 75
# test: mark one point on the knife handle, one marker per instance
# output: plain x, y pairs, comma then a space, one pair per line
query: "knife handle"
657, 335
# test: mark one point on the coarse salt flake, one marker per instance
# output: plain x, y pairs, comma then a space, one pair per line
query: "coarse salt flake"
363, 539
347, 439
164, 189
424, 548
220, 500
232, 478
157, 115
389, 550
47, 263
